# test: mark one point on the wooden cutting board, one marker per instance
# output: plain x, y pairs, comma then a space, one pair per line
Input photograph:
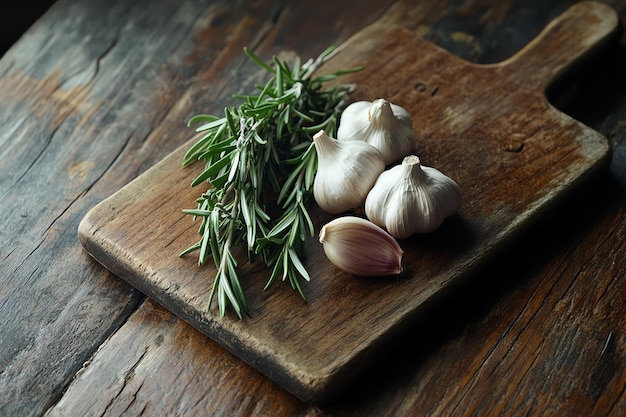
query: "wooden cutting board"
489, 127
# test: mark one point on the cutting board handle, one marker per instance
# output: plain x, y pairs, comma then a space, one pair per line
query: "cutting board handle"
570, 37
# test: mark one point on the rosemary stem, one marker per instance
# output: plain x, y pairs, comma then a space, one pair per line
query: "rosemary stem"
222, 272
230, 231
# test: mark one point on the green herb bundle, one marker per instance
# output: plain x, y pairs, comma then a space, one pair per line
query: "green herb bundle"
263, 148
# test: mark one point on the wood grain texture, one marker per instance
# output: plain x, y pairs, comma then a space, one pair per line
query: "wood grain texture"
553, 280
489, 127
87, 105
154, 340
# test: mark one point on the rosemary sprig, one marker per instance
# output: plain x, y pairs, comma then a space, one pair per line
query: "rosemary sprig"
262, 148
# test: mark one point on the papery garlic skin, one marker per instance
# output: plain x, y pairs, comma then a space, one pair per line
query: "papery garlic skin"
346, 171
386, 126
411, 198
358, 246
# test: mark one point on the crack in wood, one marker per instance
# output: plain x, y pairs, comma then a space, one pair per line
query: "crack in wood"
128, 376
603, 370
134, 398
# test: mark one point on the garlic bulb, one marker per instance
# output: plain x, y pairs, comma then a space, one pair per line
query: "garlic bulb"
359, 247
411, 198
385, 126
346, 171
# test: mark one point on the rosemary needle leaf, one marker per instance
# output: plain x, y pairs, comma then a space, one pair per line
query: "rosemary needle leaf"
211, 125
197, 212
190, 249
307, 217
275, 272
210, 171
303, 116
260, 163
202, 118
203, 248
258, 60
261, 213
285, 266
298, 264
279, 77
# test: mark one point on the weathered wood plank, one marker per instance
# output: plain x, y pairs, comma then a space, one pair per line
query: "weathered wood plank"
463, 127
432, 369
157, 352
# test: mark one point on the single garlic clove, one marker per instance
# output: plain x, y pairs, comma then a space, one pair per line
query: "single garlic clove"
411, 198
346, 171
359, 247
386, 126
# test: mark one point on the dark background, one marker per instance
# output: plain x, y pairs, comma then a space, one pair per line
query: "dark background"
15, 20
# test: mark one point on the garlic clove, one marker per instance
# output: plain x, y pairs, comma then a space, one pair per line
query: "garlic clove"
359, 247
386, 126
346, 171
411, 198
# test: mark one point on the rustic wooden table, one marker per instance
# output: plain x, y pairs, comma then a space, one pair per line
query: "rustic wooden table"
96, 92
